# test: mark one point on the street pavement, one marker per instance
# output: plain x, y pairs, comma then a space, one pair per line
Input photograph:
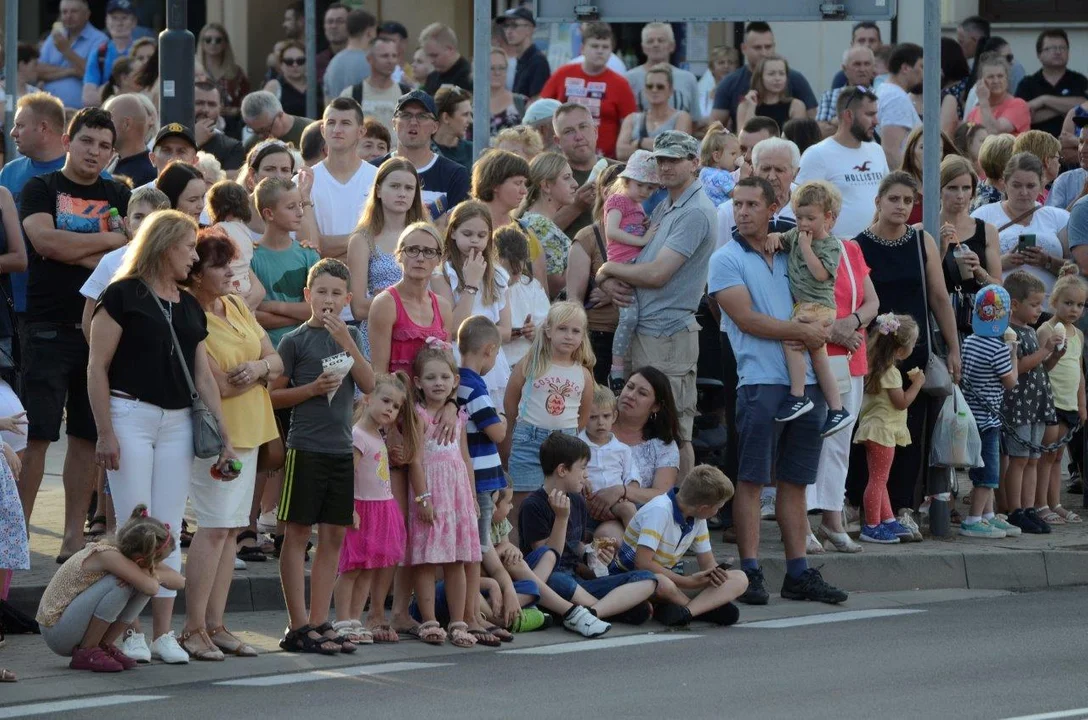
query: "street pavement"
970, 654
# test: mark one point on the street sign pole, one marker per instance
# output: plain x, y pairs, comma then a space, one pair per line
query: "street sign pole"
177, 49
310, 11
11, 72
481, 77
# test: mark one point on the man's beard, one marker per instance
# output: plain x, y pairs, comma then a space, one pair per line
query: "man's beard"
860, 134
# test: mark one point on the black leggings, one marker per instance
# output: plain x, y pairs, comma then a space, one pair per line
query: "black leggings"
601, 342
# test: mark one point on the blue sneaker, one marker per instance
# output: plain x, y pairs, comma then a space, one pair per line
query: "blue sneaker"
878, 534
793, 407
896, 528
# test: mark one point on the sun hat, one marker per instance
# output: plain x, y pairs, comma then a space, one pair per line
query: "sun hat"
641, 167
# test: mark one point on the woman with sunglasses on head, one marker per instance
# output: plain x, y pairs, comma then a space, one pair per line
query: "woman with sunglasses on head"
215, 55
290, 84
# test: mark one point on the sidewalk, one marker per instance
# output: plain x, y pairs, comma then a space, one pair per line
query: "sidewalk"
1026, 562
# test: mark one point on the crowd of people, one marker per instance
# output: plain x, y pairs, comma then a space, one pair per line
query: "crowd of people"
478, 377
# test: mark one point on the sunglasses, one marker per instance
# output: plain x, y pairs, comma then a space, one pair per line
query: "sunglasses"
213, 40
656, 86
414, 251
293, 62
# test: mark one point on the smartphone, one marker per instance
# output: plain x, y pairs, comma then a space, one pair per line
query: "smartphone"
1025, 241
725, 566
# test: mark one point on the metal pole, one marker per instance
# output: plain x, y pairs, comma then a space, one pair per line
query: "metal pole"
481, 76
177, 48
310, 10
11, 72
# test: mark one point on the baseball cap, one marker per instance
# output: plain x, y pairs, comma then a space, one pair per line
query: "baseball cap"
174, 130
417, 96
991, 316
393, 28
542, 110
519, 13
124, 6
675, 144
1080, 120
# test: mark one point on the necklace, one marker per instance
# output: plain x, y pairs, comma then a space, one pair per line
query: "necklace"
901, 240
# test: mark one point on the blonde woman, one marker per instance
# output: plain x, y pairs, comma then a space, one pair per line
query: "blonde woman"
551, 187
215, 55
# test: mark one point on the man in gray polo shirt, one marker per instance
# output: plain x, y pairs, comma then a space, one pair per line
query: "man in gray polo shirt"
669, 278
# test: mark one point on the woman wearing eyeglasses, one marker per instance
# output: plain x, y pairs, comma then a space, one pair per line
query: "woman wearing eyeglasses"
640, 129
290, 84
214, 54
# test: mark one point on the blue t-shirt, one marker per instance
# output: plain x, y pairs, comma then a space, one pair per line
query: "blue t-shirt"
760, 361
985, 361
472, 395
14, 176
86, 44
99, 74
1077, 227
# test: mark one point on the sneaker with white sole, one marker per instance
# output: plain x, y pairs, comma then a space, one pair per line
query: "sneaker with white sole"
167, 649
836, 420
766, 507
981, 529
1001, 523
793, 407
266, 522
579, 619
134, 645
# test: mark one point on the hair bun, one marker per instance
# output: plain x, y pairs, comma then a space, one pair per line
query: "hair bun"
139, 511
1069, 268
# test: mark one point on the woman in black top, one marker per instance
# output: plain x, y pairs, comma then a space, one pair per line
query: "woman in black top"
905, 269
290, 84
138, 392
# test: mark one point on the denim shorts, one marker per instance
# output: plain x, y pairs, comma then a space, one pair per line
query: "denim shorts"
1028, 433
989, 474
770, 450
564, 584
525, 455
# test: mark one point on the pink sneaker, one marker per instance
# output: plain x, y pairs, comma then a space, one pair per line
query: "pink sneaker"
114, 652
94, 659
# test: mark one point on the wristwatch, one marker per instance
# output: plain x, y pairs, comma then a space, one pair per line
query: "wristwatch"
471, 289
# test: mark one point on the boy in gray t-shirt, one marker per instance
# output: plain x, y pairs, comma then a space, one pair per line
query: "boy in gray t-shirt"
323, 363
814, 255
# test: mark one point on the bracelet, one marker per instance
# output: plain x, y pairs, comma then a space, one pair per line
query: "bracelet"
624, 494
858, 318
471, 289
422, 497
267, 367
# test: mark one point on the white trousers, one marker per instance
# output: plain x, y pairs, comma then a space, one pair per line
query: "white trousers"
155, 467
828, 491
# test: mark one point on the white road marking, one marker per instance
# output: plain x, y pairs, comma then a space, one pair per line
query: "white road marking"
573, 647
1077, 712
314, 675
822, 618
48, 708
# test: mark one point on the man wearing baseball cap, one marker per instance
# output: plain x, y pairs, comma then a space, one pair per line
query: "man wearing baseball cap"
120, 24
173, 142
669, 277
532, 71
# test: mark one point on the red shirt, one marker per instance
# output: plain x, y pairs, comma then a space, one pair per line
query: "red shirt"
607, 95
1013, 108
844, 296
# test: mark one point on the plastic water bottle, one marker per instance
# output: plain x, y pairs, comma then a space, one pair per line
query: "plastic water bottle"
115, 223
235, 467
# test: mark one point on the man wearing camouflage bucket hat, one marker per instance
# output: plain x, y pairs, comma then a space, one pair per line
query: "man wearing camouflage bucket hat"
667, 281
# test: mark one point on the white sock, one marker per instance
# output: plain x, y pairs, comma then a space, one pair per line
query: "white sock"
988, 516
972, 519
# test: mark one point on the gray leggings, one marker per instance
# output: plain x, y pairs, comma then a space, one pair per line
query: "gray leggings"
105, 600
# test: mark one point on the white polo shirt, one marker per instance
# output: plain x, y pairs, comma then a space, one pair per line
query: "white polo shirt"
610, 464
657, 525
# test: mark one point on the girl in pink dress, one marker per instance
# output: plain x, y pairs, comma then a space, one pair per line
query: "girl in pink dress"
442, 521
374, 544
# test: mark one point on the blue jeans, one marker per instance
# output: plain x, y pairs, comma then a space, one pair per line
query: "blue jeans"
989, 474
566, 584
525, 455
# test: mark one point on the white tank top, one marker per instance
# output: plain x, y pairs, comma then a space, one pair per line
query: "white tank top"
551, 400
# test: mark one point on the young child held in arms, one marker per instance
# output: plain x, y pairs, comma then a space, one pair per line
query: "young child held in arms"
611, 462
625, 229
989, 370
100, 591
882, 425
663, 530
374, 544
718, 155
1030, 405
318, 486
231, 210
813, 261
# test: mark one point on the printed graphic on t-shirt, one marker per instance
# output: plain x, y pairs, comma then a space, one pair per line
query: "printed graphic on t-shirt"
559, 391
80, 214
588, 95
382, 459
863, 174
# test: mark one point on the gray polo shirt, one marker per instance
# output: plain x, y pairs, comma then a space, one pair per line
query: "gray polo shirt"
689, 227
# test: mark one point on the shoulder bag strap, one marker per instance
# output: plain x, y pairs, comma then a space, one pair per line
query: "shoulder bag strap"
177, 345
1017, 219
850, 274
600, 242
925, 292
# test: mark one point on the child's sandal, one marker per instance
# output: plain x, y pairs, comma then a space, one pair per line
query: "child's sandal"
1068, 515
431, 633
346, 646
461, 636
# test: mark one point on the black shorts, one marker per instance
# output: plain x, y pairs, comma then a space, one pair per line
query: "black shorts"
317, 488
55, 382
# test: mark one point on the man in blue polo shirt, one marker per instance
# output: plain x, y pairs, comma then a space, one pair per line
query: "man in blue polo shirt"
66, 52
750, 284
120, 24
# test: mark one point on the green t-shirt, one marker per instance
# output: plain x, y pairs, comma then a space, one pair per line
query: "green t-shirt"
805, 287
283, 274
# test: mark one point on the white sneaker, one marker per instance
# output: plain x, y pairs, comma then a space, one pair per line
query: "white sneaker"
585, 623
239, 563
766, 507
166, 648
134, 645
266, 522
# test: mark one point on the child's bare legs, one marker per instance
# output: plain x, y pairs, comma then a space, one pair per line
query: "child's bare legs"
425, 580
346, 595
1054, 484
292, 574
1027, 486
323, 571
472, 596
982, 501
829, 386
622, 598
795, 363
1047, 464
1013, 483
404, 577
379, 590
456, 590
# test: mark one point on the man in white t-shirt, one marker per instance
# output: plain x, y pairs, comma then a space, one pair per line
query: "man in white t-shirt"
776, 160
850, 161
896, 115
341, 182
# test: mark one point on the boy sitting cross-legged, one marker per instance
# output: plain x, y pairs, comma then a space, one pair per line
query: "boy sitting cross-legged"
663, 530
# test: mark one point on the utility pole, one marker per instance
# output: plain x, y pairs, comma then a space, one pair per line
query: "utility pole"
177, 54
310, 33
481, 77
11, 72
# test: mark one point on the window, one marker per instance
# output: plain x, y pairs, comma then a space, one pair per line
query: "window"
1003, 11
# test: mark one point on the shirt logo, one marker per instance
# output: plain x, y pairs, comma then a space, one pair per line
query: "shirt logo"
864, 167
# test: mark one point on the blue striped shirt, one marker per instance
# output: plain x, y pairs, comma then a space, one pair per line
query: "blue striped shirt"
985, 361
472, 395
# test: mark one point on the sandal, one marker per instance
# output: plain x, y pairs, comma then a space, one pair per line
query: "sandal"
209, 652
501, 633
299, 641
249, 553
1049, 516
1068, 515
7, 676
354, 632
430, 632
384, 634
229, 643
462, 637
484, 637
345, 646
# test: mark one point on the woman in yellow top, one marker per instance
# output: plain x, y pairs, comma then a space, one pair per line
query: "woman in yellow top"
882, 425
243, 362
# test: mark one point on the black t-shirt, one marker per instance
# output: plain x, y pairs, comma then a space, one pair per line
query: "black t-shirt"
459, 74
138, 167
444, 184
1072, 84
226, 150
145, 365
53, 287
535, 521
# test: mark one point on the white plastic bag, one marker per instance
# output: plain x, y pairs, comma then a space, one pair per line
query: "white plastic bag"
956, 440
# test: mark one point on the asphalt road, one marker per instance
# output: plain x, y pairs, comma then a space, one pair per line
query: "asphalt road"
983, 656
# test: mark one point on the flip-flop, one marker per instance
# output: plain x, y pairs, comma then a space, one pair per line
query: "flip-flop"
483, 637
502, 634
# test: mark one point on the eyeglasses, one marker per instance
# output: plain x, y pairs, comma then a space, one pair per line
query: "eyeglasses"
213, 40
293, 62
413, 117
1055, 49
414, 251
499, 68
656, 86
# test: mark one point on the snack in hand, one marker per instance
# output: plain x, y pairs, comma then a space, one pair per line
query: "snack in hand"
1010, 335
913, 373
1059, 330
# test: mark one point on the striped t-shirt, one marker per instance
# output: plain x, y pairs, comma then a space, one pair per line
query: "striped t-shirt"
660, 526
985, 361
472, 395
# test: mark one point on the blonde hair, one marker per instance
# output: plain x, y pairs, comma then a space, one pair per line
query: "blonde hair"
604, 398
372, 219
424, 227
715, 140
819, 193
1041, 144
407, 420
527, 137
439, 33
539, 356
208, 164
1069, 280
143, 539
705, 485
160, 231
151, 196
994, 154
462, 213
545, 168
231, 69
